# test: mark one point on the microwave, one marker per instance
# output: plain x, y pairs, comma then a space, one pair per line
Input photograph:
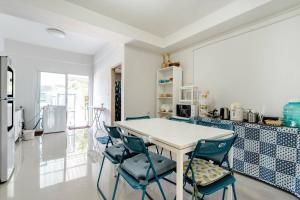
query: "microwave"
186, 110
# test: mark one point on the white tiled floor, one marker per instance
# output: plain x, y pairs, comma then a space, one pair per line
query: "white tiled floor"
65, 166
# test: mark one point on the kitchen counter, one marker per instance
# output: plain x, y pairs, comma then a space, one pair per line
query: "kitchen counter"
269, 154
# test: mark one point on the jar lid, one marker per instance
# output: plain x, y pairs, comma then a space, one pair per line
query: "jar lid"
294, 100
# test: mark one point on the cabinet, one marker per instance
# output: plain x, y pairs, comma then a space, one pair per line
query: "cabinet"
169, 80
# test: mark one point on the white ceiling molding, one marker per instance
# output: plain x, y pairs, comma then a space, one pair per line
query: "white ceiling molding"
69, 16
228, 12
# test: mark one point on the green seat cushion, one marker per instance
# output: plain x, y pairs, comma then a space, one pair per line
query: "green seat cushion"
138, 165
205, 172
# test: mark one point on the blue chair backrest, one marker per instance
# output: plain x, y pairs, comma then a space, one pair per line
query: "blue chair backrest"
216, 125
215, 150
112, 131
138, 117
181, 120
134, 144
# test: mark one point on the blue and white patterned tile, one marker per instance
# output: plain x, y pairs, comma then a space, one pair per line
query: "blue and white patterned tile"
286, 153
238, 153
252, 170
238, 165
268, 136
287, 139
267, 162
251, 157
252, 145
267, 175
288, 130
297, 190
298, 171
252, 134
249, 125
298, 140
286, 181
239, 143
267, 149
286, 167
268, 128
298, 156
240, 130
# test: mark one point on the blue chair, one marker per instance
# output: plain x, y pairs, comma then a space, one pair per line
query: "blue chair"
148, 144
181, 119
216, 125
116, 153
138, 117
144, 168
215, 151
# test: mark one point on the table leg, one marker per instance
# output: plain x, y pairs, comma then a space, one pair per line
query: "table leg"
179, 175
229, 195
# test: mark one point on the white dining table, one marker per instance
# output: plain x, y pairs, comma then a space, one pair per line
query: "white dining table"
177, 137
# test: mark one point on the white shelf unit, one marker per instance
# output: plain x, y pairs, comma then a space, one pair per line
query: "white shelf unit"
170, 88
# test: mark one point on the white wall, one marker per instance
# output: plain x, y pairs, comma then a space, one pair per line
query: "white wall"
1, 46
258, 68
140, 81
29, 60
107, 57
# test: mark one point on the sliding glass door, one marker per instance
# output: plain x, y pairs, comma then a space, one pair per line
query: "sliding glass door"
68, 90
53, 89
78, 99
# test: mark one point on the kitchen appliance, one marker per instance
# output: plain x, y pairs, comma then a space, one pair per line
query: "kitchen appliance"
7, 110
214, 113
236, 112
252, 117
54, 119
186, 110
246, 114
224, 113
291, 113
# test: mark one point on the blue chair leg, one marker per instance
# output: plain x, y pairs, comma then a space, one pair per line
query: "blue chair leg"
234, 192
161, 190
98, 181
144, 193
116, 186
224, 192
149, 196
202, 198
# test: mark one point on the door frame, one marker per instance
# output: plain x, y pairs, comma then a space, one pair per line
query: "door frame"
113, 92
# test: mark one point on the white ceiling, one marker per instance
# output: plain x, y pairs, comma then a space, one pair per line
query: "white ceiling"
35, 33
159, 17
162, 25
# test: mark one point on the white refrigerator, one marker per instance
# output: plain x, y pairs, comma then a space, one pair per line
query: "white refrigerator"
7, 110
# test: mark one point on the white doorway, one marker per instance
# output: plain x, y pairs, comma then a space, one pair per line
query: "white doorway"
67, 90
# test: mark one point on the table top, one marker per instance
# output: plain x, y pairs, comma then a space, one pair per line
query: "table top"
179, 135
